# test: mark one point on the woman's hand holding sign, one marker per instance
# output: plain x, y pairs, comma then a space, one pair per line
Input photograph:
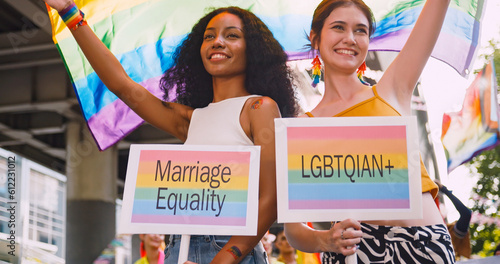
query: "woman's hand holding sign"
342, 237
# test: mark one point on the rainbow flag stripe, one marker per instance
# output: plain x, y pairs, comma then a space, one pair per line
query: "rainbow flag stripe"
475, 128
459, 38
144, 33
164, 194
348, 167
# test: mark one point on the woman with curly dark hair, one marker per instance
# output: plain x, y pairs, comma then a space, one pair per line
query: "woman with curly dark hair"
231, 81
266, 70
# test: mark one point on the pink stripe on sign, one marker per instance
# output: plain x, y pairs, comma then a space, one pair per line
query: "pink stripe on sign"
190, 156
350, 204
189, 220
347, 132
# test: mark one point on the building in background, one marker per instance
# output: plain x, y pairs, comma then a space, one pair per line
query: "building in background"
32, 212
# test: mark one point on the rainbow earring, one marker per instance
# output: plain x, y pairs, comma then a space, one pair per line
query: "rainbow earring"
360, 72
316, 71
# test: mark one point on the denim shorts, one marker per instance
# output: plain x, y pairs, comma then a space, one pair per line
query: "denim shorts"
202, 249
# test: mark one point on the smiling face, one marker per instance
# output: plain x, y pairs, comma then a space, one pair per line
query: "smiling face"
344, 40
223, 50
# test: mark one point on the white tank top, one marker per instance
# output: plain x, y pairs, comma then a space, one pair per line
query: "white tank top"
219, 124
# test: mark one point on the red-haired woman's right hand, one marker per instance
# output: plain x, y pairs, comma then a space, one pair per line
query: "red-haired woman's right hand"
343, 237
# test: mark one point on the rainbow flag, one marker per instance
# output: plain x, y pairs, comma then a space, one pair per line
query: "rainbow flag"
348, 168
144, 33
308, 258
475, 128
459, 38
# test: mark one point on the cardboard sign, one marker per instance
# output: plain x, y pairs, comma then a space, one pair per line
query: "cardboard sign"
365, 168
187, 189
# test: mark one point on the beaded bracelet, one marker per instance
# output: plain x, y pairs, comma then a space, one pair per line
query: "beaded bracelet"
73, 17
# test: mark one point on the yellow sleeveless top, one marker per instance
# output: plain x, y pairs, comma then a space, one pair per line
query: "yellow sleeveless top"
376, 106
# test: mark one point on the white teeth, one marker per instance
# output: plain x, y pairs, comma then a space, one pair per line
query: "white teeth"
218, 56
348, 52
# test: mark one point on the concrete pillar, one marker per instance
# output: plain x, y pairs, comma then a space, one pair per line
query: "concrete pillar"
91, 195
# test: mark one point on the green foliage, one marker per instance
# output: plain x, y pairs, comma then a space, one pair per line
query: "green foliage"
486, 236
494, 46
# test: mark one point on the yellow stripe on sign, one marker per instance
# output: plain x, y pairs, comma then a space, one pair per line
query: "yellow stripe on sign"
232, 183
193, 168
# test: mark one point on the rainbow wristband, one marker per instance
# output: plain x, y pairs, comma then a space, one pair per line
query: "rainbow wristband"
72, 17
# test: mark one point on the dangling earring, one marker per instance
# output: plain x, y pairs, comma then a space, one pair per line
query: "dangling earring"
361, 71
316, 71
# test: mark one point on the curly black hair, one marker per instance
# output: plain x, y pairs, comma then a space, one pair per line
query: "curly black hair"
266, 71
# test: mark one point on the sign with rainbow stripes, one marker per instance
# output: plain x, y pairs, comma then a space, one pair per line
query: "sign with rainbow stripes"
181, 189
366, 168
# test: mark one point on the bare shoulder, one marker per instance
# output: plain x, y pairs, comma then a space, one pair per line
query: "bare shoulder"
258, 114
262, 111
261, 101
262, 106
